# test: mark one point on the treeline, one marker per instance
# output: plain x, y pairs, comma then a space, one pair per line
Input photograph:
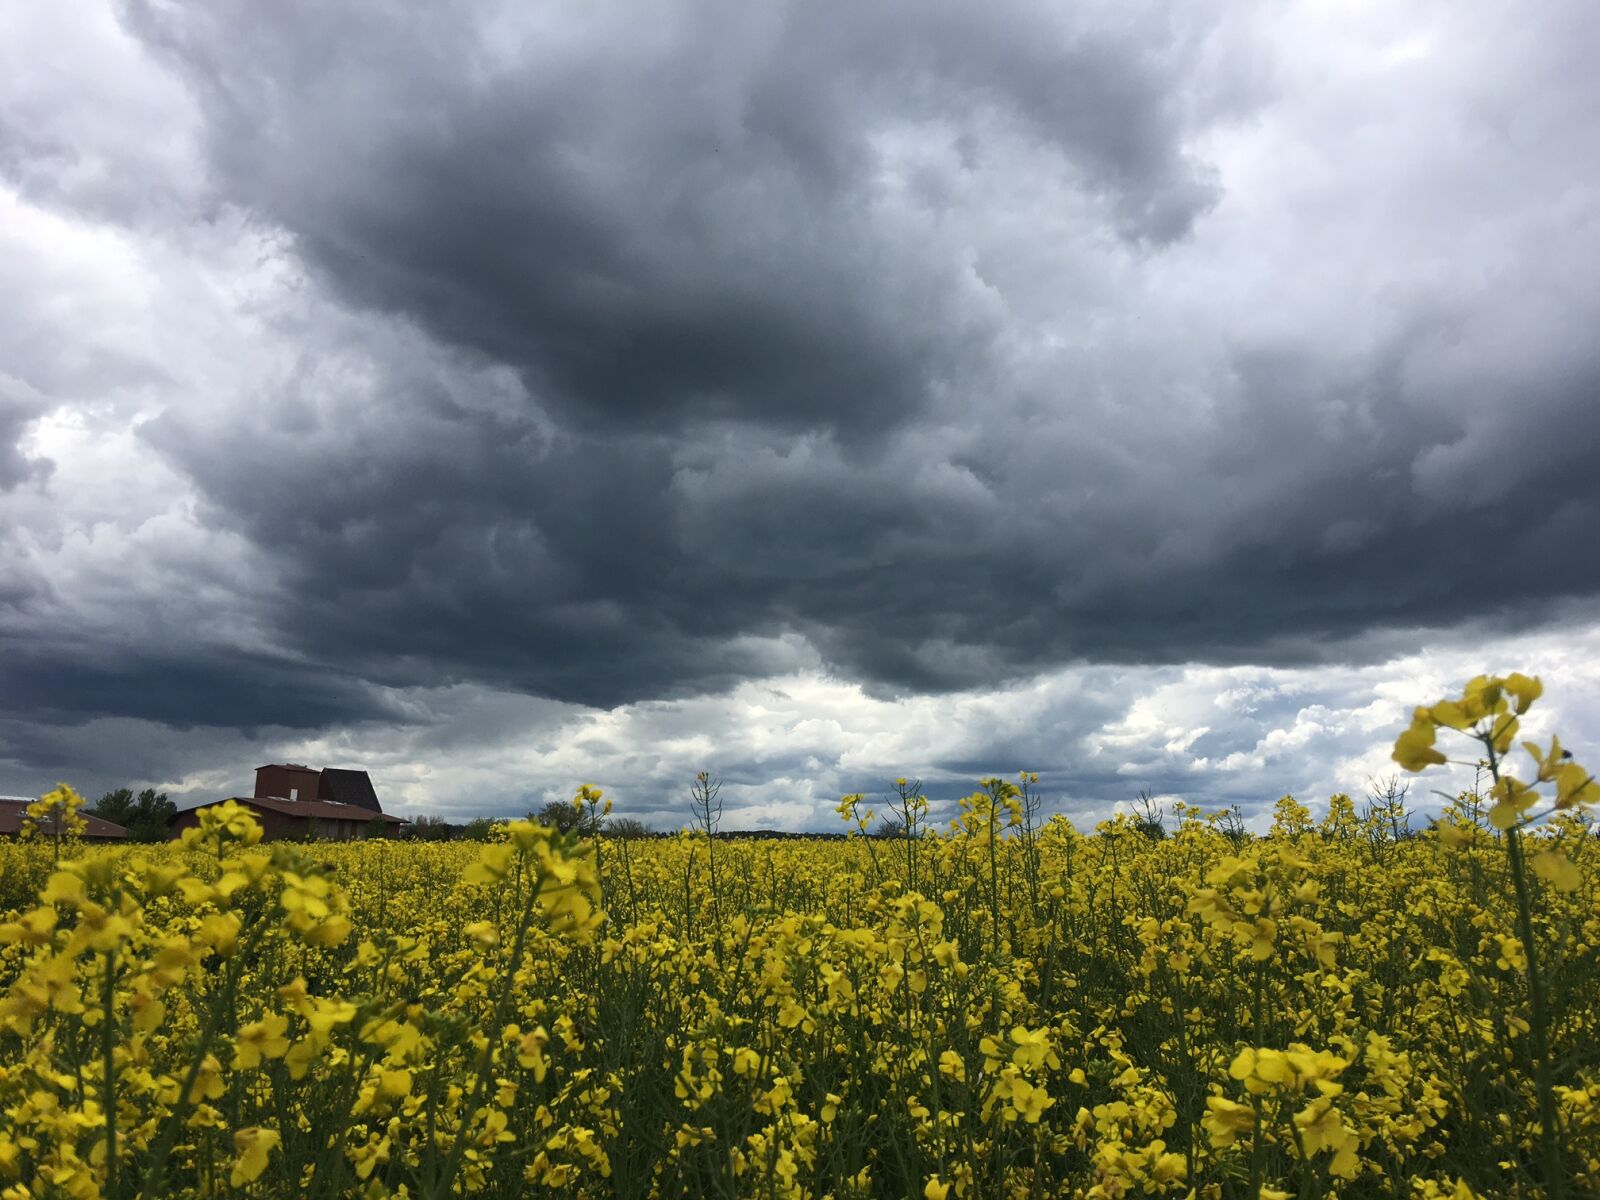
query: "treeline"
437, 829
145, 816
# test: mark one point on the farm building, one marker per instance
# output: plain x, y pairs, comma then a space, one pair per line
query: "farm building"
322, 820
13, 808
296, 801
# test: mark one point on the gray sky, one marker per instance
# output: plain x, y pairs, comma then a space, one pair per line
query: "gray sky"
502, 397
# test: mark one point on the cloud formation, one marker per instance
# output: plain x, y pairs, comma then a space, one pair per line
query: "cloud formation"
393, 350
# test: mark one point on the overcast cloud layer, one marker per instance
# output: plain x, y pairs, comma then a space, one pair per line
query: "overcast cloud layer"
503, 397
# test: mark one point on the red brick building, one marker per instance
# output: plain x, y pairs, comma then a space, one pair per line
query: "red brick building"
296, 801
320, 820
291, 781
13, 812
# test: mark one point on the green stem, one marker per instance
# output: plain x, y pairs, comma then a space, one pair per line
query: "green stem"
485, 1064
1549, 1137
1310, 1183
994, 885
1257, 1149
109, 1070
1549, 1134
222, 1003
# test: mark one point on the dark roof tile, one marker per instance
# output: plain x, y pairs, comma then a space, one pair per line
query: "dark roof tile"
96, 828
321, 810
348, 787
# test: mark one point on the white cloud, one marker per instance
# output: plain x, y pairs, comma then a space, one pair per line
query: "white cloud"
788, 747
1405, 211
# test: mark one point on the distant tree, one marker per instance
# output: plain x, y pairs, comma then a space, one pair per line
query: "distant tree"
627, 828
890, 828
115, 806
477, 830
705, 801
1148, 817
145, 816
430, 829
1385, 818
559, 815
1230, 823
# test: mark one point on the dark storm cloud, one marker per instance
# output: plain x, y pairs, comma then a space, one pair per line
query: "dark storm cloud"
751, 403
17, 409
54, 684
678, 216
1279, 535
639, 358
458, 544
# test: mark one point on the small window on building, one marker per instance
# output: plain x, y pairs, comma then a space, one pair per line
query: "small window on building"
294, 793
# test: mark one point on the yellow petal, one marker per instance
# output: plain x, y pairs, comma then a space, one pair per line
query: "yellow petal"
1414, 750
1558, 870
1526, 689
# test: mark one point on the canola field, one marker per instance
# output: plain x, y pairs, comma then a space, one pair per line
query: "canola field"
996, 1007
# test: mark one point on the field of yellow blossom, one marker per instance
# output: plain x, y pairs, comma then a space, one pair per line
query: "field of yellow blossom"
997, 1008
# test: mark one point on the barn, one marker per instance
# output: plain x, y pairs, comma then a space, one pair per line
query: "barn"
13, 811
296, 801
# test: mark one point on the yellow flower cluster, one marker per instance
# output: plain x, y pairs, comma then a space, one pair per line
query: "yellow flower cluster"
55, 815
1001, 1008
198, 1018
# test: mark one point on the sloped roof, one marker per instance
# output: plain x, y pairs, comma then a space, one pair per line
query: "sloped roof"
321, 810
348, 786
12, 810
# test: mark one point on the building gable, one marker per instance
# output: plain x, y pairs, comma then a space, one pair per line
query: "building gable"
345, 786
